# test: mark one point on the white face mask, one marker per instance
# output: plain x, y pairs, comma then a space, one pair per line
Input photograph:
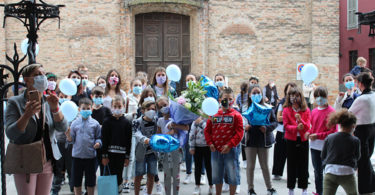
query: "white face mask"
149, 99
118, 112
103, 85
40, 83
150, 114
51, 85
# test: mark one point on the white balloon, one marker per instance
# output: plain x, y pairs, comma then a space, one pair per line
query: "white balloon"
210, 106
68, 87
25, 45
173, 72
70, 110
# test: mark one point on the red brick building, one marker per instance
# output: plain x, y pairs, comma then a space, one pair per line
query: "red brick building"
352, 43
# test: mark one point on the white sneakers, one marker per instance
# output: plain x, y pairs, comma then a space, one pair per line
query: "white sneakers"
291, 192
276, 177
183, 167
126, 188
159, 189
304, 192
197, 190
187, 179
238, 189
203, 180
225, 187
211, 190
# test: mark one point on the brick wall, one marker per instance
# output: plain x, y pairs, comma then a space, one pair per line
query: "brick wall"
238, 38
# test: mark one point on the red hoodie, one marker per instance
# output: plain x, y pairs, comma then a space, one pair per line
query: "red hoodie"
224, 129
290, 123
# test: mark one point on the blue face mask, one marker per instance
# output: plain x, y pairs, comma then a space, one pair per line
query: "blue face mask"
85, 113
321, 101
349, 84
256, 98
85, 82
97, 101
77, 81
137, 90
220, 83
62, 100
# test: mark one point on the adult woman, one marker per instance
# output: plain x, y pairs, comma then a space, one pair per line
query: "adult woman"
279, 155
113, 88
29, 120
364, 109
270, 93
345, 100
296, 119
81, 93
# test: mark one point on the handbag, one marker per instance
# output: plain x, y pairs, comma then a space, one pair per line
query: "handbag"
26, 158
107, 184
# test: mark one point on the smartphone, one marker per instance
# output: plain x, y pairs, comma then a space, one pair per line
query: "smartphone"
33, 95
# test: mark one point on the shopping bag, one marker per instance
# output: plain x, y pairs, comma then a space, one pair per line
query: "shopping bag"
107, 184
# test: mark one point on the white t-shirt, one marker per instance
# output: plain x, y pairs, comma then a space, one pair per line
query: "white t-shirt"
159, 91
280, 127
107, 100
162, 123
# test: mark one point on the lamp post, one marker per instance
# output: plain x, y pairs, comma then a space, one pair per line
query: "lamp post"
32, 15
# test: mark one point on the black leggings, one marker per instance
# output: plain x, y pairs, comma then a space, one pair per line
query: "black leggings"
116, 165
298, 163
202, 154
279, 155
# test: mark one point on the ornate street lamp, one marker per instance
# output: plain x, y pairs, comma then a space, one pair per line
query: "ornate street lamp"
32, 15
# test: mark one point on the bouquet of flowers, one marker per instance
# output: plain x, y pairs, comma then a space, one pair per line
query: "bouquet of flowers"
187, 108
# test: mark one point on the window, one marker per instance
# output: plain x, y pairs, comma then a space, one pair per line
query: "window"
353, 55
352, 17
371, 56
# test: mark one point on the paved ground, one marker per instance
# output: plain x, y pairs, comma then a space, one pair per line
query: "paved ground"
260, 188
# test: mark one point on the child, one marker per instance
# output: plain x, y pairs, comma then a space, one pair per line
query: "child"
241, 99
318, 133
171, 161
361, 64
296, 119
220, 81
187, 157
99, 112
223, 133
85, 136
345, 100
258, 141
144, 127
131, 107
116, 138
340, 154
52, 79
101, 82
160, 83
63, 165
201, 152
148, 94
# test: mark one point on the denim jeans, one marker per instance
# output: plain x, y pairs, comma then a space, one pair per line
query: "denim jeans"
148, 165
188, 158
318, 170
227, 163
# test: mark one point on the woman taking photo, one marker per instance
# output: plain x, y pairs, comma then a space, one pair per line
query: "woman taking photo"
31, 117
364, 109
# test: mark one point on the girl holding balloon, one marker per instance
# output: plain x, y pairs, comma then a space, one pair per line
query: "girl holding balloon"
160, 83
345, 100
258, 141
296, 119
112, 88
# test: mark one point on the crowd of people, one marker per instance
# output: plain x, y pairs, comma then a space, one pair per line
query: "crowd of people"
113, 129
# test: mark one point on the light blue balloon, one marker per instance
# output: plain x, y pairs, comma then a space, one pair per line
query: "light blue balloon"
68, 87
70, 110
173, 72
164, 143
210, 106
309, 73
258, 114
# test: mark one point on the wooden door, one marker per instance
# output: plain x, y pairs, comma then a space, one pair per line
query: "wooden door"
162, 39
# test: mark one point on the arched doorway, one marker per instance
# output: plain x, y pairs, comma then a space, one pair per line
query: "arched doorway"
162, 39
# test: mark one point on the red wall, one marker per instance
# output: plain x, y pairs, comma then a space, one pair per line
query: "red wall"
362, 42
